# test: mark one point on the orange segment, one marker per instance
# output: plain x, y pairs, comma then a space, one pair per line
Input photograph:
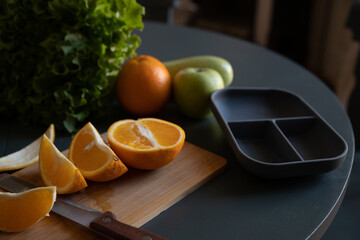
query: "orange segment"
147, 143
57, 170
95, 160
19, 211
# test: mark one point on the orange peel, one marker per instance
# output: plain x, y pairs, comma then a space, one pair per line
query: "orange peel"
27, 155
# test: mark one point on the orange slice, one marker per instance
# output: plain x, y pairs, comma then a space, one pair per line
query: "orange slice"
56, 170
20, 211
26, 156
95, 160
147, 143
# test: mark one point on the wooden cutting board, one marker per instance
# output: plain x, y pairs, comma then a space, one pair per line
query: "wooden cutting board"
135, 198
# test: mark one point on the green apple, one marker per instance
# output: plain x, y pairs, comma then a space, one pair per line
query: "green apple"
192, 90
222, 66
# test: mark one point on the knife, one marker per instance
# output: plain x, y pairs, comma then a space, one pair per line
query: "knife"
104, 224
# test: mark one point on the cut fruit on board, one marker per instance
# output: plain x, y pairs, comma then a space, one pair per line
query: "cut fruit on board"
20, 211
95, 160
135, 198
56, 170
27, 155
146, 143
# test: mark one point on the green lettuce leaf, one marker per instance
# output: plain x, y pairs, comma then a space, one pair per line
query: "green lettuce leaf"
59, 58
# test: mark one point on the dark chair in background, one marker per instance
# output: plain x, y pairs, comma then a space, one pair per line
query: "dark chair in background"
353, 23
346, 223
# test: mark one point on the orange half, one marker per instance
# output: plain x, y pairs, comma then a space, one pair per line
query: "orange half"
147, 143
19, 211
56, 170
95, 160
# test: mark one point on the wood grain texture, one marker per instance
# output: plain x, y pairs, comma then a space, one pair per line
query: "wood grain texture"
134, 198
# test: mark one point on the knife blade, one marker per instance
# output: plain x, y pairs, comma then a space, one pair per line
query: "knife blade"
104, 224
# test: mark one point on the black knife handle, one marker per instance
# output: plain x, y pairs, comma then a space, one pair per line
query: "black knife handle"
107, 225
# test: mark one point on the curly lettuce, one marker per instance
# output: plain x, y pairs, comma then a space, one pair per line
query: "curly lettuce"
59, 59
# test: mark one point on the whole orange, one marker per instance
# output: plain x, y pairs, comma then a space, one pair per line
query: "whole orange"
143, 85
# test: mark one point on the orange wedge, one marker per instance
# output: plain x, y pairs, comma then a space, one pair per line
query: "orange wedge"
19, 211
147, 143
56, 170
26, 156
95, 160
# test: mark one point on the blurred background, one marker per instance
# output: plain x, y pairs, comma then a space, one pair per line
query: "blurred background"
314, 33
321, 35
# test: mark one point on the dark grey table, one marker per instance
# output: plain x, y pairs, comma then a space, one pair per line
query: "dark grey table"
235, 204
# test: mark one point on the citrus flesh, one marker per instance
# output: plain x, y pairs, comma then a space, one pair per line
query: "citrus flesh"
146, 143
19, 211
95, 160
56, 170
27, 155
